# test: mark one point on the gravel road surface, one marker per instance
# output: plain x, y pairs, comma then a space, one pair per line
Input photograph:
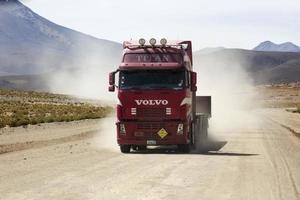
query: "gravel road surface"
258, 159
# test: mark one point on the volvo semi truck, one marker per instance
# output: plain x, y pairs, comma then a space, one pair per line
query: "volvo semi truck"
158, 105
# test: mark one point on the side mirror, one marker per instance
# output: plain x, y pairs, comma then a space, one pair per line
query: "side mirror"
193, 81
111, 88
112, 78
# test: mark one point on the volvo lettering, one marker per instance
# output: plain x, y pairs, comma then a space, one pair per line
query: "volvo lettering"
151, 102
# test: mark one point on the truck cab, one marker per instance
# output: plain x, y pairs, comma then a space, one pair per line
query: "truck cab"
156, 87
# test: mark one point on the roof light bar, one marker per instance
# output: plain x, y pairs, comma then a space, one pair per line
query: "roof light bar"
152, 44
163, 41
152, 41
142, 41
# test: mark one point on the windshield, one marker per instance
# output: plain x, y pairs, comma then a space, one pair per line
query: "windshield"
153, 79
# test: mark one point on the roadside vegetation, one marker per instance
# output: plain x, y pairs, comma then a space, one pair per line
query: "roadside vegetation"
19, 108
280, 95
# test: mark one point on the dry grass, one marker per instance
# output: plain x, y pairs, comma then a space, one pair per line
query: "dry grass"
280, 96
18, 108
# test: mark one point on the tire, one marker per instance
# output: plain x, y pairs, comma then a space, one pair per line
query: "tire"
142, 147
134, 147
125, 148
184, 148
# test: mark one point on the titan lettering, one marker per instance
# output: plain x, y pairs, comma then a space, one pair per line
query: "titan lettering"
151, 102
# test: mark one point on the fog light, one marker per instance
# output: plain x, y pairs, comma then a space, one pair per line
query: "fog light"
180, 129
122, 129
152, 41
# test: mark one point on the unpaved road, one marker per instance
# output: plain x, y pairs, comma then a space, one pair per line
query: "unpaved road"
256, 159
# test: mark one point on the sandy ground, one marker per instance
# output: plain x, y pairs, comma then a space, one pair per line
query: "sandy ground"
19, 138
288, 120
256, 159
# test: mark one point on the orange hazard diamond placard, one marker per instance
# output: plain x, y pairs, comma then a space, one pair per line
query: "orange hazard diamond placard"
162, 133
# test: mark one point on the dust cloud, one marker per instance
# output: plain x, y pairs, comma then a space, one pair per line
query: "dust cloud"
232, 90
87, 77
91, 83
88, 80
106, 139
86, 83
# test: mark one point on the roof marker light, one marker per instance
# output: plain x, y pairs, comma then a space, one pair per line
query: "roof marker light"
152, 41
142, 41
163, 41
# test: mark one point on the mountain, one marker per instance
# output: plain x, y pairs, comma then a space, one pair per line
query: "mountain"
262, 67
209, 50
31, 44
36, 54
284, 47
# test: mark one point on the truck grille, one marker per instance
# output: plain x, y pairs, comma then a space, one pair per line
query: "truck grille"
151, 113
150, 126
150, 129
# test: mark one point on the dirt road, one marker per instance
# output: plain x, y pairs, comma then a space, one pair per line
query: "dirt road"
257, 159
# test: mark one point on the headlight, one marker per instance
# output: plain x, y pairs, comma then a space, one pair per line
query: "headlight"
168, 111
152, 41
122, 129
180, 129
133, 111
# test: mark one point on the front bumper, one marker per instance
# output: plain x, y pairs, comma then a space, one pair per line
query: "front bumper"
147, 133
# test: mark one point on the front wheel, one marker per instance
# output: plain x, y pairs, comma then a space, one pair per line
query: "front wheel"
142, 147
125, 148
184, 148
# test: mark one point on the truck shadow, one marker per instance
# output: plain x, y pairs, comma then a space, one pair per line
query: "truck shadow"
228, 154
211, 149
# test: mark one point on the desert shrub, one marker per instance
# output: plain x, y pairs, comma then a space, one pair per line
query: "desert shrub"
49, 119
298, 109
2, 124
33, 121
18, 122
34, 108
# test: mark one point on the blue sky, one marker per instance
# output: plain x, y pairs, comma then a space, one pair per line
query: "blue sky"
208, 23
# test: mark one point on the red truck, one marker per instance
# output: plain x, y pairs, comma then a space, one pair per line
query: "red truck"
157, 97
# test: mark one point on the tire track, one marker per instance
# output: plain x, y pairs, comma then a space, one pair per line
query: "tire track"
6, 148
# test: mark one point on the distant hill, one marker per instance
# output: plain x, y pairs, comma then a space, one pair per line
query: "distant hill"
26, 82
30, 44
209, 50
263, 67
36, 54
284, 47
